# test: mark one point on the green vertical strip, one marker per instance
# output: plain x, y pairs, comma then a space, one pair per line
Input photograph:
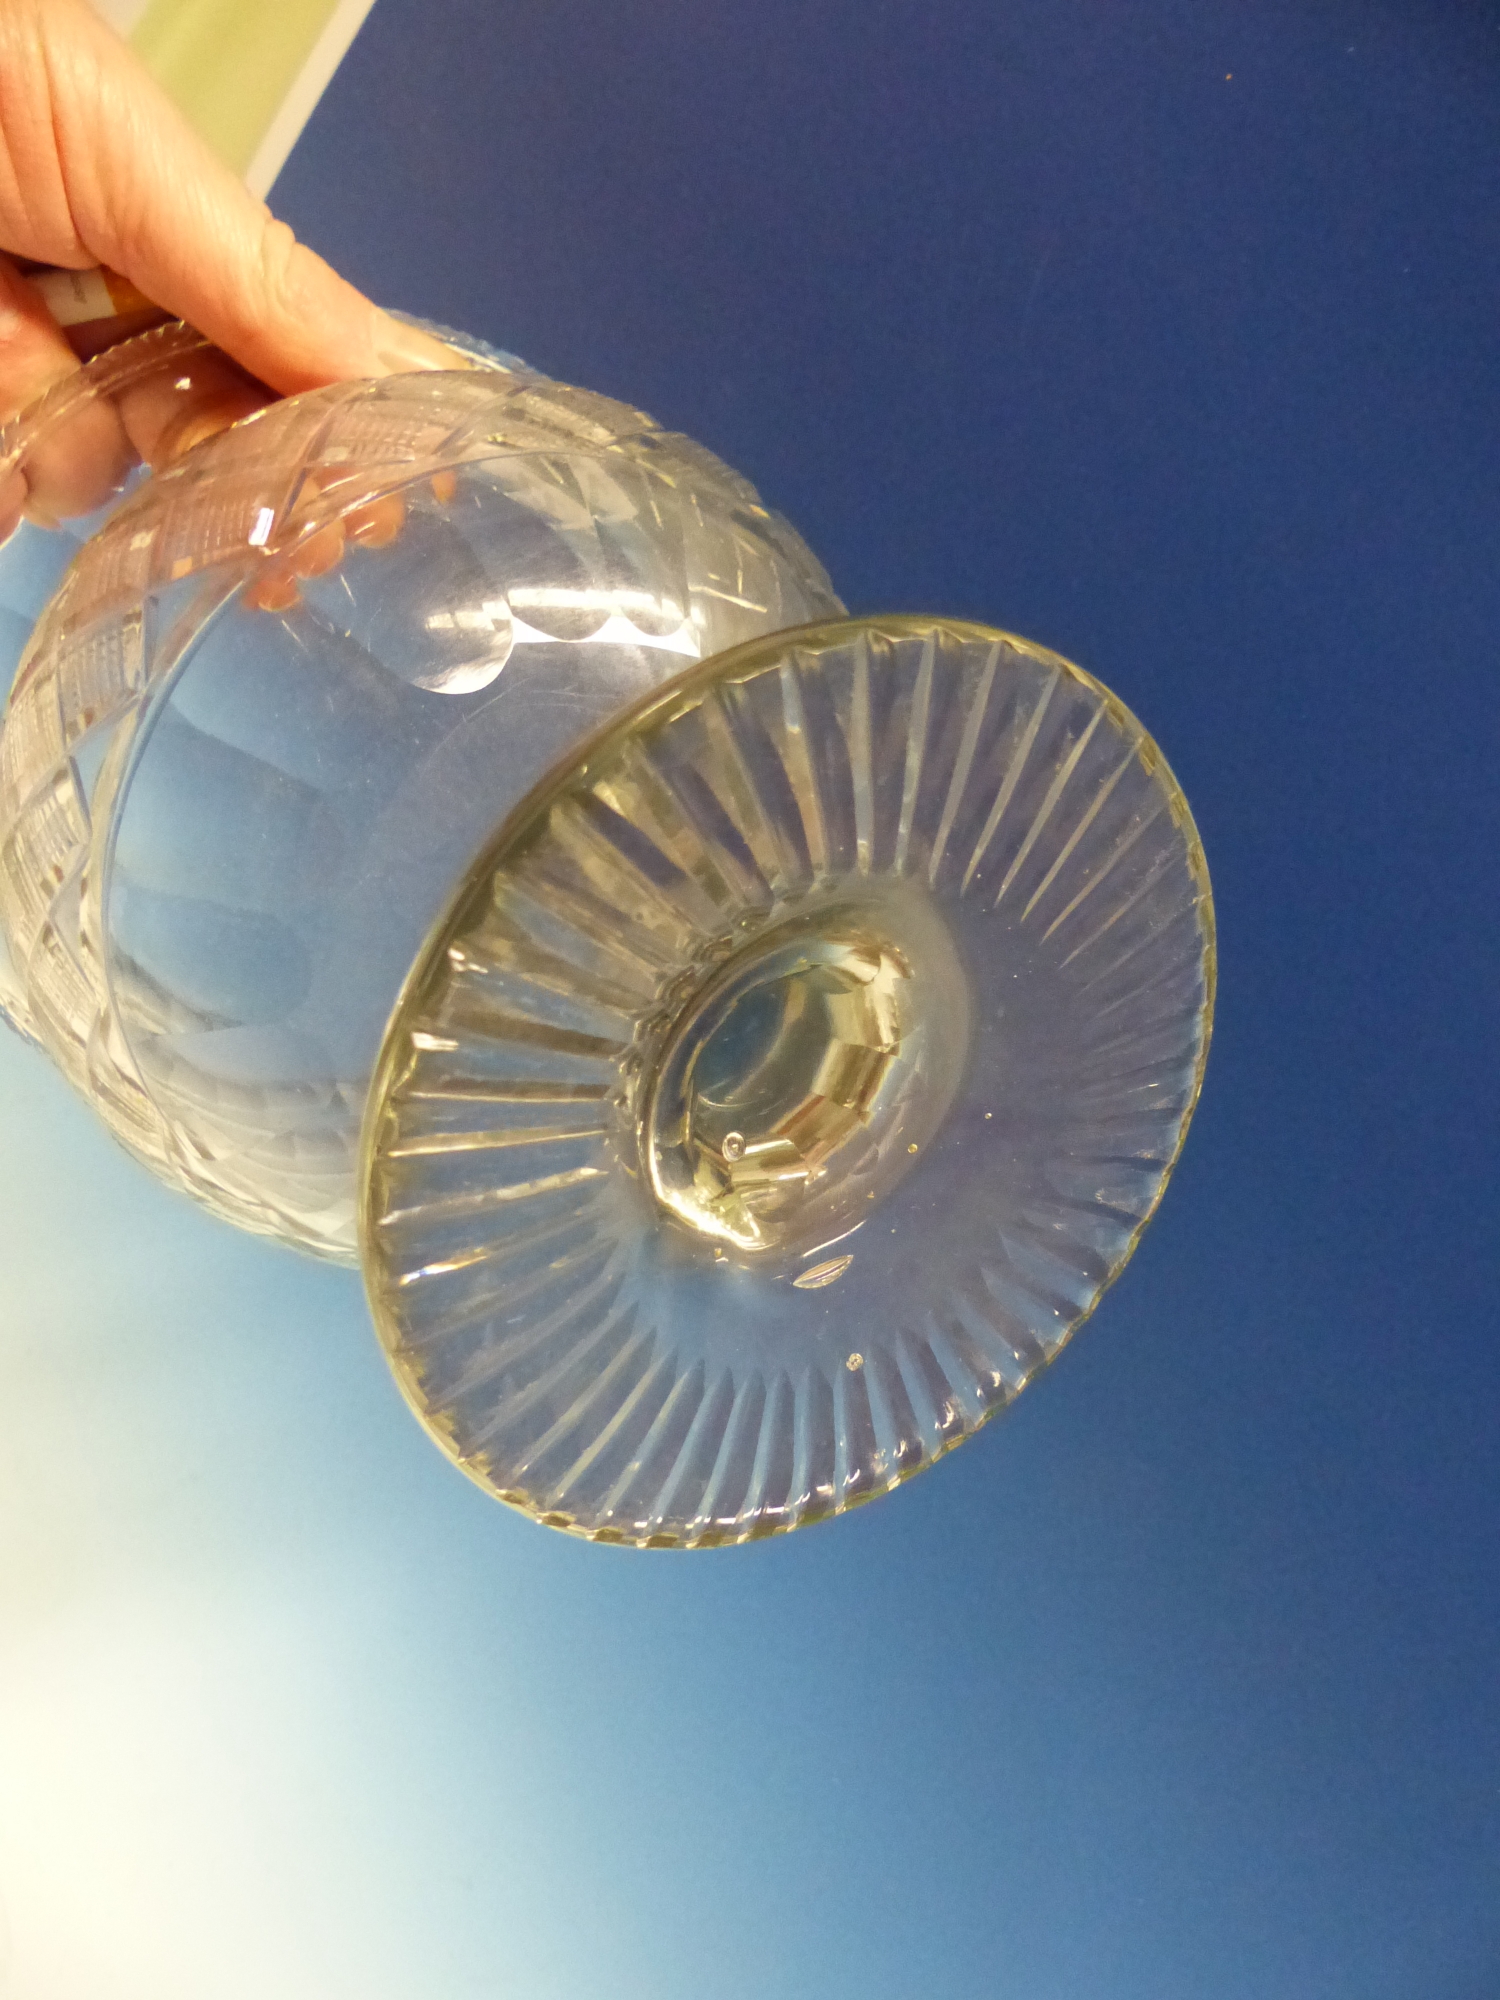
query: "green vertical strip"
229, 64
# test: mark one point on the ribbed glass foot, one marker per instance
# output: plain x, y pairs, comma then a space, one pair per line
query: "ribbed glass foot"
792, 1075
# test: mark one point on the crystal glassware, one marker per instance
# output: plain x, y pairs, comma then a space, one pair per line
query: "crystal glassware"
282, 694
769, 1031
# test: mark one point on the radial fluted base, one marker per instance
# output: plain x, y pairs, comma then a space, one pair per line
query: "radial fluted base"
792, 1075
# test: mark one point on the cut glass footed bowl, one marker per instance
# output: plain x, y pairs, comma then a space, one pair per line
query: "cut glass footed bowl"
284, 692
770, 1031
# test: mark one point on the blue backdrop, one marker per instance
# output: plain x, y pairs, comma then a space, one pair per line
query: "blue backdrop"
1166, 336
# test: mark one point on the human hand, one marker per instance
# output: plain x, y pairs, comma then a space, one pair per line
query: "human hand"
98, 167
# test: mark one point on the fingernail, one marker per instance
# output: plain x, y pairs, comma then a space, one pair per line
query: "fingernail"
377, 524
401, 348
275, 591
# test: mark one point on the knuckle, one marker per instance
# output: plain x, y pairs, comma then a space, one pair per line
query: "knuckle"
277, 270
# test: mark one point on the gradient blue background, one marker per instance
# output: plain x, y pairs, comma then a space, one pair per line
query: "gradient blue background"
1165, 334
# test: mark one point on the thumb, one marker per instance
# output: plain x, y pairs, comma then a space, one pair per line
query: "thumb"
113, 174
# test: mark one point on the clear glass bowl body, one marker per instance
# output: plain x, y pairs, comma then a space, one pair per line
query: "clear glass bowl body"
287, 689
789, 1079
448, 820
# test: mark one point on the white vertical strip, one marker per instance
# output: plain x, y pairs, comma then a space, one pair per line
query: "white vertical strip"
121, 15
298, 105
